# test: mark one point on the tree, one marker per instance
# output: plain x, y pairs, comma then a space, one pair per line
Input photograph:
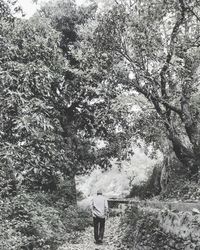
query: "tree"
51, 109
152, 49
31, 136
90, 119
8, 8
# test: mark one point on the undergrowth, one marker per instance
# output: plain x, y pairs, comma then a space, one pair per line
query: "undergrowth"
33, 221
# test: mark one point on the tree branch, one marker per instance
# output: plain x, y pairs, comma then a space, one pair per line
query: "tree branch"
193, 13
174, 33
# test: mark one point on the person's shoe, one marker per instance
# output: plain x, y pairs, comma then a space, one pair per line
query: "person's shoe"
98, 242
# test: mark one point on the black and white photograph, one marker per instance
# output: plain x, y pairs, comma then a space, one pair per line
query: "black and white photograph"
99, 124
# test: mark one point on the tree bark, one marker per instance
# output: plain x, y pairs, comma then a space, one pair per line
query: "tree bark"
192, 129
187, 157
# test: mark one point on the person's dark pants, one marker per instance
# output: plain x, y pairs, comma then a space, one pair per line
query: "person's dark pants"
99, 227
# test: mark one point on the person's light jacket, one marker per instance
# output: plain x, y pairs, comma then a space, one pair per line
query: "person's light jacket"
99, 206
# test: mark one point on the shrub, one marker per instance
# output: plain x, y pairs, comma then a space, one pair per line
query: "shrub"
30, 222
141, 230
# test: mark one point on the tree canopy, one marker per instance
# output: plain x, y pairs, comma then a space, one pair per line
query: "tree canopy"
151, 52
53, 113
79, 84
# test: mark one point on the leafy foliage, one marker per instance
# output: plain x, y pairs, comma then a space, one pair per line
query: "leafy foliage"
152, 49
32, 221
8, 8
143, 230
92, 119
47, 130
31, 65
76, 86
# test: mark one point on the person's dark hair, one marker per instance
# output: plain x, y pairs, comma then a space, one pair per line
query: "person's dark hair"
99, 192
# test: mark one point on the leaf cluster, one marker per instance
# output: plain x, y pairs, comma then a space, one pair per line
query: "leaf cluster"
33, 221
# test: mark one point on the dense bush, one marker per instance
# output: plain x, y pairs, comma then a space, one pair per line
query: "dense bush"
141, 230
182, 189
32, 222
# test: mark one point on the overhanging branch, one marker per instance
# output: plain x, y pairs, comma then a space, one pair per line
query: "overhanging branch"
174, 33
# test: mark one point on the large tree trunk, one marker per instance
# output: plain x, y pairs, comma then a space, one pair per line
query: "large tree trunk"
189, 157
191, 121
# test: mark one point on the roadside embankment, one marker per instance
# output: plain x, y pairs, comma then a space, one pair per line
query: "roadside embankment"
154, 226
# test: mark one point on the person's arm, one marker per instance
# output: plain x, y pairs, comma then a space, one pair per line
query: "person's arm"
106, 207
91, 206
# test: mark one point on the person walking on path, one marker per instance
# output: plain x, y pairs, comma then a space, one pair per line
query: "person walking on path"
99, 208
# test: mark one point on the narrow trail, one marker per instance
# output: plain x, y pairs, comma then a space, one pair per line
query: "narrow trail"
86, 241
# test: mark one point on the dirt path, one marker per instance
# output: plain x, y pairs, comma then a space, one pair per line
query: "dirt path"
86, 242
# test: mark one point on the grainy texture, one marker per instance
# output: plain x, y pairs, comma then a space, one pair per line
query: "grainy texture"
86, 240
